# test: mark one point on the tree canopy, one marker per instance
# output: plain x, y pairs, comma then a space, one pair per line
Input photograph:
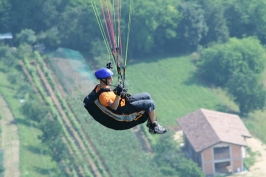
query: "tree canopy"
247, 92
157, 26
220, 61
172, 161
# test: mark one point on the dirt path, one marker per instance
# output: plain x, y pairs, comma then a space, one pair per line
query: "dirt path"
10, 140
142, 139
259, 168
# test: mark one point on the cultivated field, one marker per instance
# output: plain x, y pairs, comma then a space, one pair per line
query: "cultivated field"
174, 86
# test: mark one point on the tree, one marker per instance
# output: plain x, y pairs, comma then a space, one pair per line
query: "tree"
28, 17
24, 88
34, 110
218, 62
216, 22
153, 23
51, 129
26, 36
247, 92
7, 56
246, 18
172, 161
53, 136
4, 14
193, 27
77, 22
16, 78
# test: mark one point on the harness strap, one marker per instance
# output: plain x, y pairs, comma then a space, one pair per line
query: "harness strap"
101, 91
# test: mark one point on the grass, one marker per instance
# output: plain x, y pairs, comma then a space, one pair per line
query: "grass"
256, 121
32, 163
175, 88
256, 124
249, 161
2, 168
115, 146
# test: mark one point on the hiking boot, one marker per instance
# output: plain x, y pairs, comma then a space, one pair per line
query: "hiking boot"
156, 128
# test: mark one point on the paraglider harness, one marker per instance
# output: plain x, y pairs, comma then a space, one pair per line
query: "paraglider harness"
114, 119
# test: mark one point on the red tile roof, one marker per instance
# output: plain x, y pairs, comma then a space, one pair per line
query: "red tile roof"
205, 128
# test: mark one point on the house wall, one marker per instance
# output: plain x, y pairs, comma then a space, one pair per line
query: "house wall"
196, 157
236, 158
207, 161
189, 149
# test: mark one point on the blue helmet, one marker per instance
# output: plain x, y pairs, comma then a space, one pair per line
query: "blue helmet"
103, 73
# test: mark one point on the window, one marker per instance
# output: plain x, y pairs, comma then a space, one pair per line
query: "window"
221, 153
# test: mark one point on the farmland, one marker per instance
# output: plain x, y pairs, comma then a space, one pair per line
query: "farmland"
97, 151
85, 156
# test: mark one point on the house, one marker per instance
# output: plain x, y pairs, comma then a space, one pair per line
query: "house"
215, 141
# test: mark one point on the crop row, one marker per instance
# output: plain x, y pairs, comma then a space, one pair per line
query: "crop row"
54, 111
73, 120
121, 150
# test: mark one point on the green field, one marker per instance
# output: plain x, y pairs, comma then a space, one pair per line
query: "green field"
177, 91
175, 88
32, 162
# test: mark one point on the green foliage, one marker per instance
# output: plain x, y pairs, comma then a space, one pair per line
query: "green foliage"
4, 14
16, 78
236, 65
51, 129
192, 28
82, 30
250, 161
215, 21
157, 26
7, 56
2, 160
99, 55
26, 36
185, 94
247, 92
57, 147
24, 51
30, 146
121, 147
153, 24
52, 136
24, 89
246, 18
218, 62
171, 159
34, 110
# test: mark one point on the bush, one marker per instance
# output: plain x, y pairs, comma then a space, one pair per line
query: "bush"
249, 161
2, 168
26, 36
219, 62
172, 160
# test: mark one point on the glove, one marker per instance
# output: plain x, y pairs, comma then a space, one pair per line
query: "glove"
118, 90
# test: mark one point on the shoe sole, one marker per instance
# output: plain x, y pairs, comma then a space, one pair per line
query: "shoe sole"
153, 132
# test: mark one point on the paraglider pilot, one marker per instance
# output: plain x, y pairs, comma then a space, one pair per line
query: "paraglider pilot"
114, 110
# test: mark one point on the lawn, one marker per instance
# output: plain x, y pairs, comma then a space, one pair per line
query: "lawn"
177, 91
32, 162
174, 86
